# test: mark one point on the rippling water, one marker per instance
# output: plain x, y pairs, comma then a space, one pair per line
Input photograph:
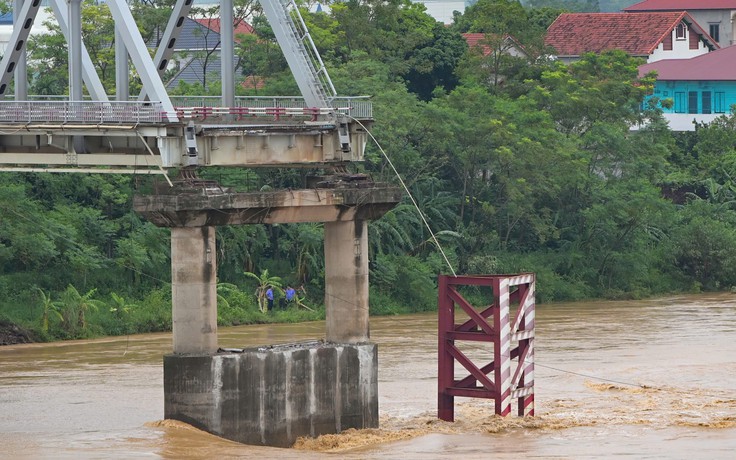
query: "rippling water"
647, 379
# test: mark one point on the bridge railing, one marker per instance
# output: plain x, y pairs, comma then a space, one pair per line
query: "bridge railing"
55, 109
79, 112
359, 107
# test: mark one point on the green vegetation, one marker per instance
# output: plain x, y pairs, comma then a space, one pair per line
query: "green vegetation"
519, 164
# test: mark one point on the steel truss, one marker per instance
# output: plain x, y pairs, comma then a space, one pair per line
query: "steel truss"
74, 133
512, 339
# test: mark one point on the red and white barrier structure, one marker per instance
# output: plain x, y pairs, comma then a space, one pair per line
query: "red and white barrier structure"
507, 323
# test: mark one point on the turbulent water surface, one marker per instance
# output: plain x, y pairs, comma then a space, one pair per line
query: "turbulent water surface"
647, 379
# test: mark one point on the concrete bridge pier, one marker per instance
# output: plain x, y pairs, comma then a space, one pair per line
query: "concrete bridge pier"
194, 286
194, 290
273, 394
346, 281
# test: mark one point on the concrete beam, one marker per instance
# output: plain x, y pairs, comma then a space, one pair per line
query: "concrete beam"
216, 207
243, 145
90, 160
271, 146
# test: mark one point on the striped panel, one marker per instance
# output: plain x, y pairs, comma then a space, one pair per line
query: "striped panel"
521, 279
503, 360
527, 405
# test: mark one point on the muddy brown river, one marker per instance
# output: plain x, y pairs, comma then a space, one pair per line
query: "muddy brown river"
635, 380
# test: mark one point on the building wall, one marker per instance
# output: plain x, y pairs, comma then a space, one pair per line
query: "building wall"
680, 48
720, 17
722, 94
442, 10
690, 101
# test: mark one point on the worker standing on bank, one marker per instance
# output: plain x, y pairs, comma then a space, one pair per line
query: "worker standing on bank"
269, 298
290, 293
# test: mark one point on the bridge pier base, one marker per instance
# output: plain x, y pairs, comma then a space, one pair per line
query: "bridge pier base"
273, 395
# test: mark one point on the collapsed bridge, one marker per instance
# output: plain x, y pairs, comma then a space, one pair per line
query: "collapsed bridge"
268, 395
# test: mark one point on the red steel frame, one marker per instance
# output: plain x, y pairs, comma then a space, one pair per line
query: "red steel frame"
493, 380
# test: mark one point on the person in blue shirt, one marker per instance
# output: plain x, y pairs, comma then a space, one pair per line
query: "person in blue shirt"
269, 298
290, 294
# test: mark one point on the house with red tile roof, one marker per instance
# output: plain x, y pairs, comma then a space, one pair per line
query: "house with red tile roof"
199, 53
240, 27
492, 50
507, 44
700, 89
718, 17
652, 36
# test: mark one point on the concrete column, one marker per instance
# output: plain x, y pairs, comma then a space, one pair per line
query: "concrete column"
346, 281
194, 290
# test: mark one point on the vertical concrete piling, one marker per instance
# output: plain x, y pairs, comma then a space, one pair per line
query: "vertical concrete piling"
194, 290
346, 281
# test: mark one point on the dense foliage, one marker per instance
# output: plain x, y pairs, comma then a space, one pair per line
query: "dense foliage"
518, 164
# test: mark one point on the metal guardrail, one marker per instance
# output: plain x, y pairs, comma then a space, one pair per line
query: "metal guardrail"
54, 109
84, 112
359, 107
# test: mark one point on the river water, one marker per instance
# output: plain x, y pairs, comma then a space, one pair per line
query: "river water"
644, 379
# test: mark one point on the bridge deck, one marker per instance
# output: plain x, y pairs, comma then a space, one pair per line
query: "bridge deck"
53, 134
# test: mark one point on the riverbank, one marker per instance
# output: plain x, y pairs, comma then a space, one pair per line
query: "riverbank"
20, 324
11, 334
88, 316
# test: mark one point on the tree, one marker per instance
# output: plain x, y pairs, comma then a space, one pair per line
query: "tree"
703, 246
240, 247
47, 53
76, 306
715, 149
264, 281
304, 245
433, 66
599, 88
401, 35
25, 242
578, 6
500, 18
49, 309
120, 306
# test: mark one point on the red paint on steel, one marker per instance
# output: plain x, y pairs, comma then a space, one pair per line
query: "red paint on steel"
276, 112
510, 374
445, 361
